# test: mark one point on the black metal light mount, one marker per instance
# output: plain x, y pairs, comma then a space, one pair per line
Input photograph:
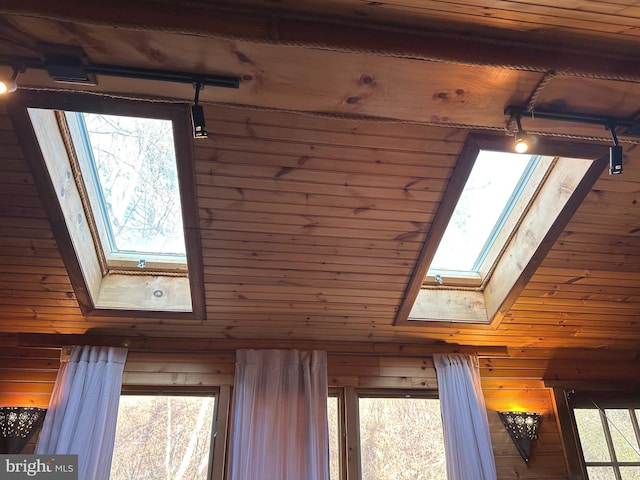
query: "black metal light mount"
615, 153
197, 114
631, 127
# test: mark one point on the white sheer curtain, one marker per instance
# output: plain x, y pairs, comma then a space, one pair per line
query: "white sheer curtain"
83, 408
464, 417
279, 426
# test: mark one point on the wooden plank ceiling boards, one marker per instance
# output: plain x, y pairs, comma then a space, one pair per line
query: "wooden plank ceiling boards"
323, 172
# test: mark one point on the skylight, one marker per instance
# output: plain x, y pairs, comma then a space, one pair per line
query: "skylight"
489, 195
116, 176
136, 165
499, 215
131, 164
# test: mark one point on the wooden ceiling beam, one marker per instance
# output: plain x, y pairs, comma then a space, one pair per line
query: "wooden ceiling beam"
526, 52
221, 345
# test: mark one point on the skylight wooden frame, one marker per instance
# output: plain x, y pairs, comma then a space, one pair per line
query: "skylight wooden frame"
489, 305
85, 291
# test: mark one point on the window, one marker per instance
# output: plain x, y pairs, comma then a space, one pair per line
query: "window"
499, 215
164, 436
400, 438
494, 198
117, 179
129, 169
384, 434
609, 438
608, 434
335, 422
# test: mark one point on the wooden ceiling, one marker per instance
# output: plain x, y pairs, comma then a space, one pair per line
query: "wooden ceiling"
323, 172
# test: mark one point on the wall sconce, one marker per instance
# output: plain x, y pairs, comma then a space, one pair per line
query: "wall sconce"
523, 429
17, 426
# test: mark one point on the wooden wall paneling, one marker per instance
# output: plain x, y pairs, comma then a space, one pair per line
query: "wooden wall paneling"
516, 384
377, 132
513, 382
27, 375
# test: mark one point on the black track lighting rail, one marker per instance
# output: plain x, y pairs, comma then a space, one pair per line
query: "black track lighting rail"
70, 65
68, 68
632, 128
164, 76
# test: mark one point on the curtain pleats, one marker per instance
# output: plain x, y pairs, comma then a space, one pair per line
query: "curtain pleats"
464, 418
279, 423
83, 409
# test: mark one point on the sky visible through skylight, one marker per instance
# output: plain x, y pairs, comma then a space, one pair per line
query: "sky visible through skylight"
490, 186
135, 163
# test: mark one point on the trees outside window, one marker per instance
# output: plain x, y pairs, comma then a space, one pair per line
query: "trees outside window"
163, 437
